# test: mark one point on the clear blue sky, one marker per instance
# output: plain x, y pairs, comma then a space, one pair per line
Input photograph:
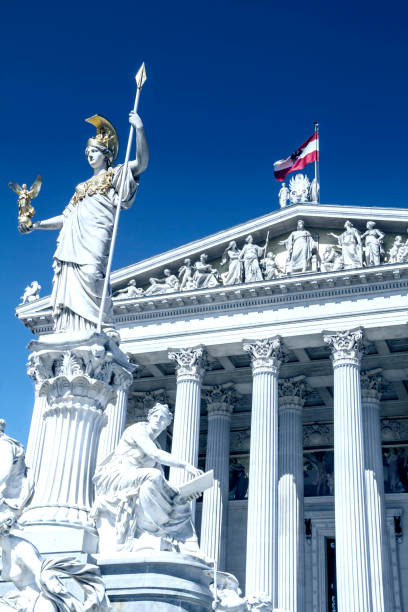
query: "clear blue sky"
233, 86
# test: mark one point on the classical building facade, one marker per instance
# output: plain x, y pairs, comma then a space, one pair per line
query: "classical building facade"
281, 345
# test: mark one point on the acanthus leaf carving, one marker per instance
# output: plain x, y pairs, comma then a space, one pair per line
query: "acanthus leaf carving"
190, 361
293, 387
345, 345
265, 353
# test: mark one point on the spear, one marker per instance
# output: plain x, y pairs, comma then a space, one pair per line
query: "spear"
140, 80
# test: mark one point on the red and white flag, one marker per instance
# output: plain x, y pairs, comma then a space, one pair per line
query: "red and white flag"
307, 153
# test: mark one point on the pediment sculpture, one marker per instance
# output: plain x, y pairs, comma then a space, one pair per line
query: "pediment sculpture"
304, 251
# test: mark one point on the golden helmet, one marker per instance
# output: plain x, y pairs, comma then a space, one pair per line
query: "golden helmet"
106, 136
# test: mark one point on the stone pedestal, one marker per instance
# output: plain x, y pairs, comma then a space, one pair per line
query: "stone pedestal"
78, 379
220, 400
352, 557
186, 427
262, 541
162, 582
378, 539
292, 394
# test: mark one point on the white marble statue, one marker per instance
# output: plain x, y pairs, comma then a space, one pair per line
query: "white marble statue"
135, 507
315, 190
283, 195
250, 255
373, 240
39, 588
31, 293
16, 485
299, 187
186, 273
270, 267
168, 284
86, 229
231, 256
227, 594
351, 247
300, 247
332, 259
205, 275
131, 291
394, 254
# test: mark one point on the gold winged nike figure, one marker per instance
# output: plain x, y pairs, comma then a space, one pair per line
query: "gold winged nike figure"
25, 210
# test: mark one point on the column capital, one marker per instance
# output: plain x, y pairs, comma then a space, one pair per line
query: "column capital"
346, 346
220, 399
89, 370
372, 384
140, 403
266, 354
190, 362
292, 392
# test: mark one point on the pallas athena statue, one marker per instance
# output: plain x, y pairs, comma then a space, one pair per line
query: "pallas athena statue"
86, 227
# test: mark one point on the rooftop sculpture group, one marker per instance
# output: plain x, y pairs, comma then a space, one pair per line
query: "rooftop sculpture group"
253, 263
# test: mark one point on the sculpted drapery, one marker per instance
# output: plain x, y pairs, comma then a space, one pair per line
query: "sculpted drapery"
83, 248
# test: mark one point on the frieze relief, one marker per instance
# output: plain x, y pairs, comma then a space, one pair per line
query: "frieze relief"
301, 251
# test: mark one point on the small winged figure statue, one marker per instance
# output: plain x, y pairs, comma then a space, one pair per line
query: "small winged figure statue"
25, 210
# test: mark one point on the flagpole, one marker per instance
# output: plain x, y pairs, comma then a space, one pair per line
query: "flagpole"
316, 164
140, 79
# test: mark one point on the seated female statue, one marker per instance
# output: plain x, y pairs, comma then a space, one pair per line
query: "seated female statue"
135, 507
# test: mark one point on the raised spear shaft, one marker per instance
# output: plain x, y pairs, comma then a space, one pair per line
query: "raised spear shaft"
140, 79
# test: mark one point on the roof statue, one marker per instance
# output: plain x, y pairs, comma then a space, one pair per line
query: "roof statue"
299, 188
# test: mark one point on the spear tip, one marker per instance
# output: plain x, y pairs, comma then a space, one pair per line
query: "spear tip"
141, 76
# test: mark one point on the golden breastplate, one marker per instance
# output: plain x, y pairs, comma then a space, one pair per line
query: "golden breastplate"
100, 183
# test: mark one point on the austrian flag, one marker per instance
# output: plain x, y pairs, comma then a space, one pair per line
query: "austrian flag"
307, 153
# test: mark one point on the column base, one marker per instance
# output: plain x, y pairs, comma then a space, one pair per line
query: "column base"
56, 539
159, 581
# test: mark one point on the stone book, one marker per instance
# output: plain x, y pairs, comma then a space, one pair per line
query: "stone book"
193, 488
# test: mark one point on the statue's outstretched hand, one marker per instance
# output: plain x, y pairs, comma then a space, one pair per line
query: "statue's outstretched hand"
24, 228
193, 470
135, 120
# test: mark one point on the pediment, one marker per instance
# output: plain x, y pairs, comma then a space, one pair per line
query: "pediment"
319, 219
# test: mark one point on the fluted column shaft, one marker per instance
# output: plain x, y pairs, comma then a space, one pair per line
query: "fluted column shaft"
352, 557
36, 435
262, 549
292, 394
186, 427
379, 549
215, 505
78, 382
115, 414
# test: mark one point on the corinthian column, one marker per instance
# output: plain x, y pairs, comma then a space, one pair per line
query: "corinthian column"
380, 555
262, 544
78, 381
220, 400
115, 414
36, 433
186, 427
352, 558
292, 394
